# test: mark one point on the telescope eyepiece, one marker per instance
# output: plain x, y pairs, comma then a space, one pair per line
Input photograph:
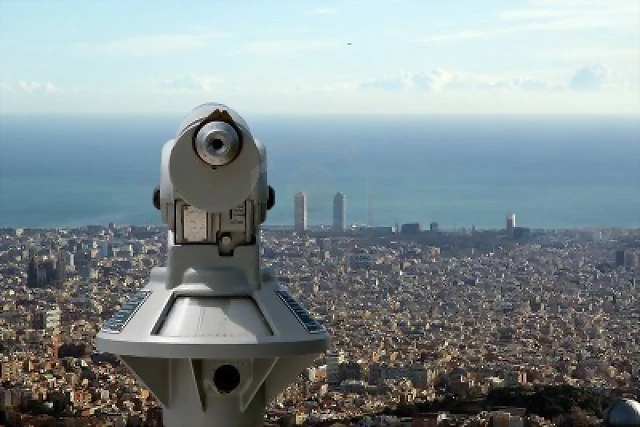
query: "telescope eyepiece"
217, 143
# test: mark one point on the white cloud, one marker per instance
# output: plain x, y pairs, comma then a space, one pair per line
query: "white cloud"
335, 88
149, 45
333, 99
283, 47
528, 14
579, 16
555, 8
598, 12
439, 80
322, 11
326, 88
589, 54
31, 87
192, 83
463, 35
435, 81
585, 78
387, 83
51, 88
590, 78
4, 87
576, 15
581, 3
582, 23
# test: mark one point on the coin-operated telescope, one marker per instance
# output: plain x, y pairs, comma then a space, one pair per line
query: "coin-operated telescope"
213, 336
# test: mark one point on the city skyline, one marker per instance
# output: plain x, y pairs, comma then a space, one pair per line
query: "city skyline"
339, 222
468, 56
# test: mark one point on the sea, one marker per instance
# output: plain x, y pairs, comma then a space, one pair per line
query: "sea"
553, 172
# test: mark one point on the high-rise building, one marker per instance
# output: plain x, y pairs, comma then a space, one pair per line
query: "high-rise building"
627, 258
511, 223
339, 212
300, 212
411, 228
631, 260
32, 272
43, 271
48, 319
334, 360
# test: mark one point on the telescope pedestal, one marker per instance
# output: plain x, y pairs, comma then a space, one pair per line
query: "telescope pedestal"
212, 335
178, 340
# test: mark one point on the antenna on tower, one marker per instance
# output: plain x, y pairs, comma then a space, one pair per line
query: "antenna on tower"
212, 335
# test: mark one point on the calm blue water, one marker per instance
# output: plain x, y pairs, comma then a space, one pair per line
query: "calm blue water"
554, 172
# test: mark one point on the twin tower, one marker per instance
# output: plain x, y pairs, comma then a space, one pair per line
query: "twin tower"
300, 212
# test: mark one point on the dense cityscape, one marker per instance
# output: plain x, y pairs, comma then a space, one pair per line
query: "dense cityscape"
428, 327
335, 213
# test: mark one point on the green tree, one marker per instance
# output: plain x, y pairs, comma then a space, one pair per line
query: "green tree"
576, 417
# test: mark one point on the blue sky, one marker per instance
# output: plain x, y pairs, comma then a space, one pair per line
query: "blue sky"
407, 56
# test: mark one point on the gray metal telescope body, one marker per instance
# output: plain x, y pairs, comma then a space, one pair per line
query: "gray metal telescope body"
213, 336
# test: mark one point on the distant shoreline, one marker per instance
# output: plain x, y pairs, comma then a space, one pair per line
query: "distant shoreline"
324, 227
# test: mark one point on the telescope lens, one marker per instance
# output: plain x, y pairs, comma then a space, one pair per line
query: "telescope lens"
217, 143
226, 378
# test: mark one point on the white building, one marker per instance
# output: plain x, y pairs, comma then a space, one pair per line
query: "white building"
300, 212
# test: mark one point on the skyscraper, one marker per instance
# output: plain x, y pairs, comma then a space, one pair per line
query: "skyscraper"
511, 223
300, 212
32, 272
43, 272
339, 212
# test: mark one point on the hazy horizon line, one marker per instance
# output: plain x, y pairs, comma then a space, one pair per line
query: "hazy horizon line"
320, 225
294, 114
